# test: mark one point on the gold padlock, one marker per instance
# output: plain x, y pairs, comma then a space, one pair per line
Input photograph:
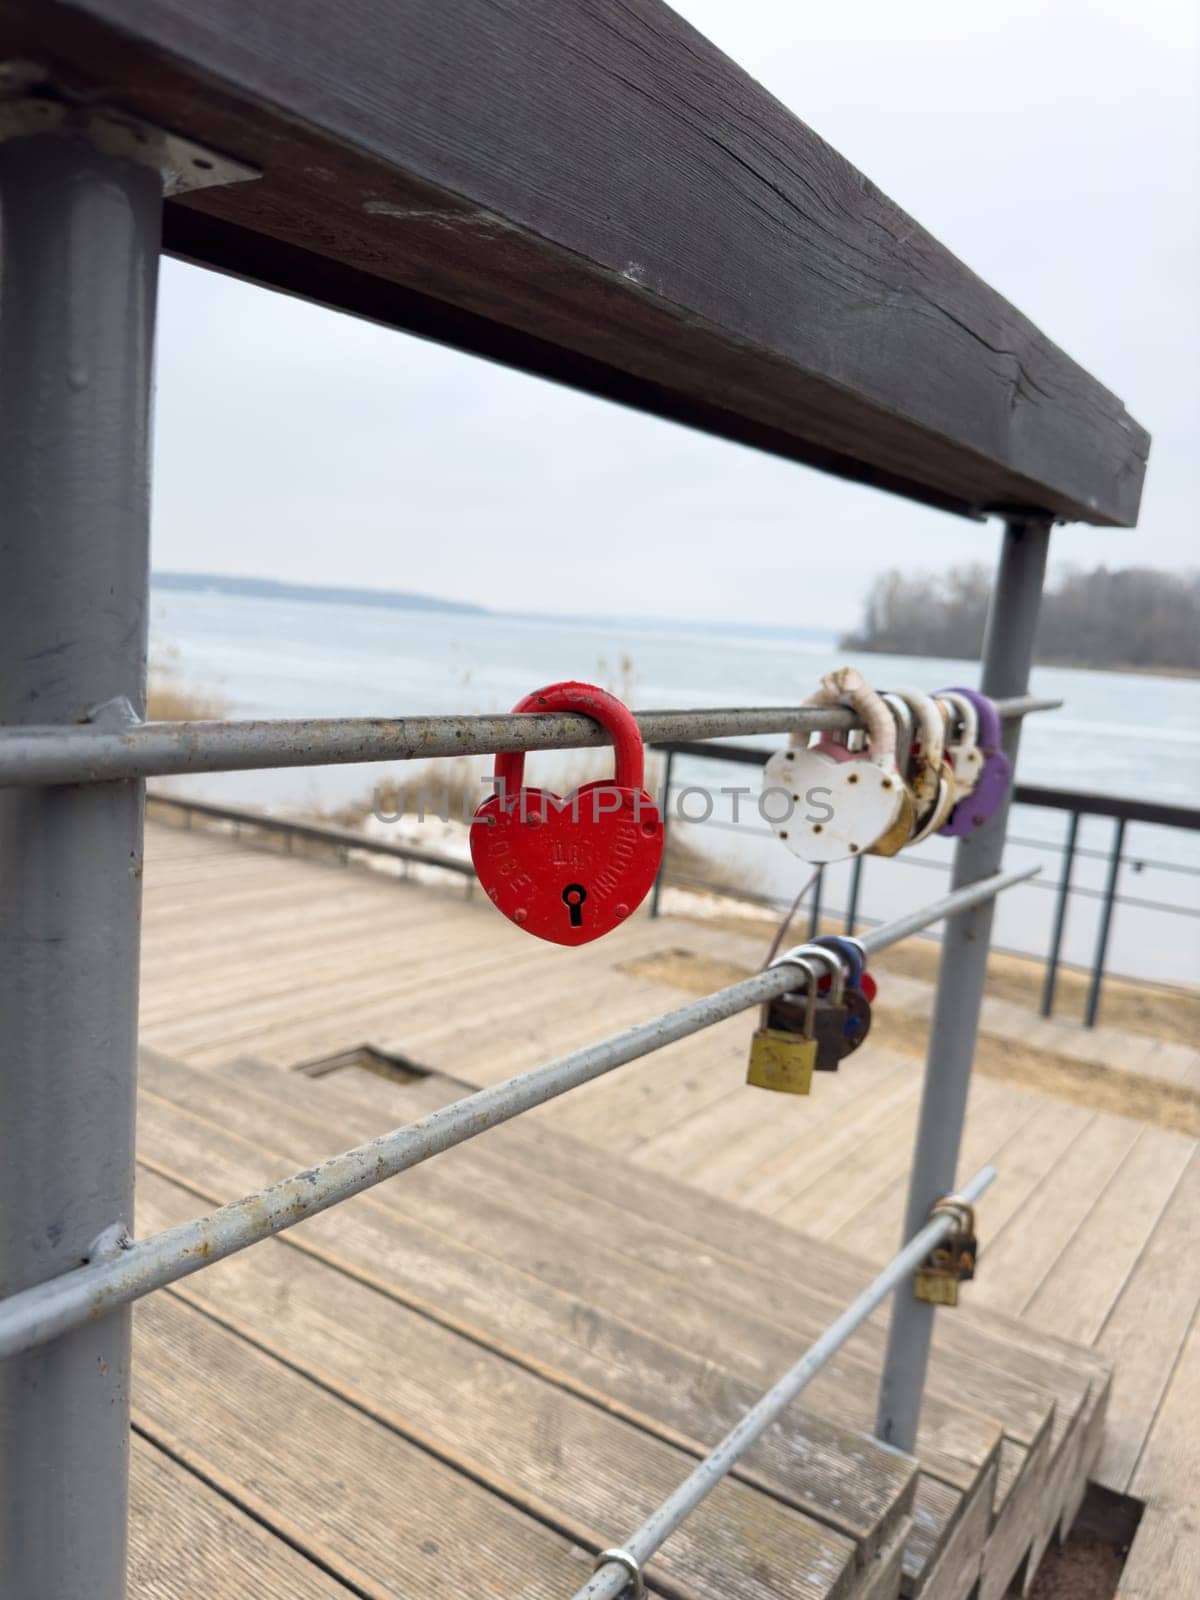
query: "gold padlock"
784, 1061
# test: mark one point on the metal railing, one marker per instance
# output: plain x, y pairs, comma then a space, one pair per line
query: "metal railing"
130, 1269
81, 241
1074, 802
116, 745
615, 1568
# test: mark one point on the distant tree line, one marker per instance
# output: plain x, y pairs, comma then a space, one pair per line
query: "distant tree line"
1134, 617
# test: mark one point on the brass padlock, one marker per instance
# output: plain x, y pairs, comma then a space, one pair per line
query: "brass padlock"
952, 1262
832, 1013
784, 1061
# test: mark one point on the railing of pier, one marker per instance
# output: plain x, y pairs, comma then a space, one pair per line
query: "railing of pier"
86, 188
115, 754
1075, 803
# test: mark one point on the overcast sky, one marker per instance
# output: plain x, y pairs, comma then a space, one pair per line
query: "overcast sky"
1052, 144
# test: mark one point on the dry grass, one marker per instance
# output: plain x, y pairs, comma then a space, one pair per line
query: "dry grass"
1157, 1010
168, 699
1087, 1083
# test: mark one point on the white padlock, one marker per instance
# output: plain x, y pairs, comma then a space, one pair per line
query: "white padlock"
830, 802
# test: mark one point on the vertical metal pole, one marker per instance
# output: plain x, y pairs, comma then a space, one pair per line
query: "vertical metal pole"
1106, 914
856, 872
1060, 915
814, 905
80, 237
664, 807
1007, 655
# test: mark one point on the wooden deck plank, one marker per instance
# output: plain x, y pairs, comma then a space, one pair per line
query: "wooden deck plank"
694, 1402
885, 1083
283, 964
667, 1090
1021, 1254
1165, 1557
1147, 1327
863, 1473
491, 1045
996, 1114
673, 1108
568, 1169
831, 1202
517, 1215
297, 952
353, 1495
649, 1245
186, 1539
565, 1462
382, 1238
1078, 1293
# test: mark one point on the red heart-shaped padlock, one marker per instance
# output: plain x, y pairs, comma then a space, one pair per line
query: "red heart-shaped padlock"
570, 870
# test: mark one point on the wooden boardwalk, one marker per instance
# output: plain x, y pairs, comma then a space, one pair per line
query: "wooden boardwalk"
1088, 1235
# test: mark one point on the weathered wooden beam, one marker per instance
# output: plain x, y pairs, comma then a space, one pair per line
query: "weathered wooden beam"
589, 190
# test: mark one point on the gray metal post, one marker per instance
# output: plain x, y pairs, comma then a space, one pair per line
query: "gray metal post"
1007, 655
1060, 916
1092, 1009
80, 237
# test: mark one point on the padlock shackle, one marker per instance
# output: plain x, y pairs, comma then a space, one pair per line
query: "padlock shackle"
590, 701
930, 729
848, 687
903, 728
850, 951
810, 993
810, 951
958, 1207
989, 717
962, 707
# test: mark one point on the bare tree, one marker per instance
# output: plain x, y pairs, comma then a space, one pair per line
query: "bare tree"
1134, 617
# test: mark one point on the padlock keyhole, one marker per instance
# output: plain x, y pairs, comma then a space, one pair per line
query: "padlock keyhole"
573, 897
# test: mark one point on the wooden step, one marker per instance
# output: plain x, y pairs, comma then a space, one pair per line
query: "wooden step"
992, 1368
181, 1530
957, 1443
676, 1388
350, 1494
658, 1222
702, 1300
841, 1479
567, 1463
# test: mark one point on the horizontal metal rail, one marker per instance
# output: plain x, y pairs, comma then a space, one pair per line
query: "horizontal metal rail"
102, 752
326, 833
133, 1269
611, 1579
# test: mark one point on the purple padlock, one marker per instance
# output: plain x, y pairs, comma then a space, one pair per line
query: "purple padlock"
993, 784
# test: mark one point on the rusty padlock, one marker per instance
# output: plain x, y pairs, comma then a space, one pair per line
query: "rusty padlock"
952, 1261
932, 781
570, 870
